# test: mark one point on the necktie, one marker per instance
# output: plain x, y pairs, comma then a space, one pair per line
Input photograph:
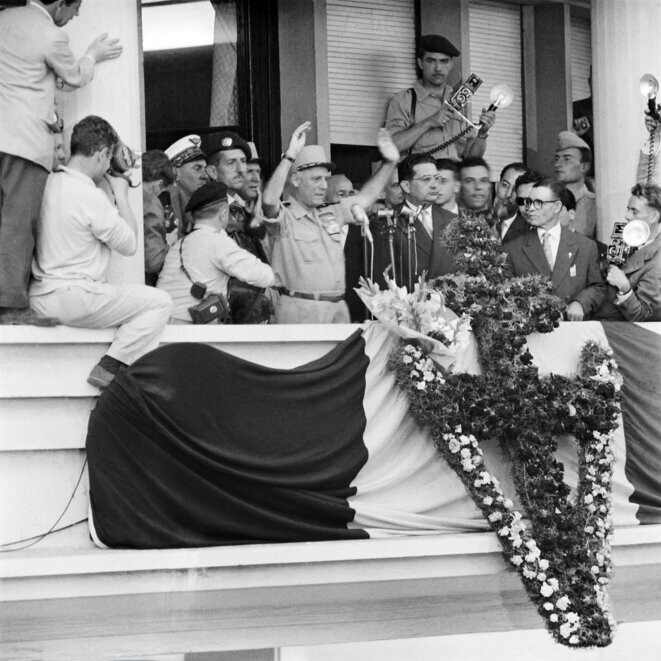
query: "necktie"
546, 246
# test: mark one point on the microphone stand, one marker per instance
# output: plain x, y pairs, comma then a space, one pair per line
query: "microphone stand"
411, 245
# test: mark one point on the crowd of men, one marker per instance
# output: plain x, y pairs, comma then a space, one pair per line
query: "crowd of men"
221, 244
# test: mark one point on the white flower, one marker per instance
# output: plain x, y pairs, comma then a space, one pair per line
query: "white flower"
415, 374
485, 477
562, 603
407, 360
457, 429
553, 582
529, 573
516, 560
516, 543
588, 499
546, 590
409, 348
428, 376
453, 445
572, 617
573, 640
594, 569
465, 453
508, 504
572, 410
553, 617
548, 606
565, 630
487, 500
495, 516
467, 465
541, 576
503, 532
421, 385
464, 440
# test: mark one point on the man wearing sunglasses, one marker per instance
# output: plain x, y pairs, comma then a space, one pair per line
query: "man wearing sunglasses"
421, 222
570, 259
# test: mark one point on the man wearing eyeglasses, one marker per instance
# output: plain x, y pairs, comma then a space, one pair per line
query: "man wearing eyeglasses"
570, 259
511, 228
419, 242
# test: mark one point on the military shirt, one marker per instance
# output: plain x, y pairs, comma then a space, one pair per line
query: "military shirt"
399, 117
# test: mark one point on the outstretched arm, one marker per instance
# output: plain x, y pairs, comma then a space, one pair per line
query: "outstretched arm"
274, 187
373, 187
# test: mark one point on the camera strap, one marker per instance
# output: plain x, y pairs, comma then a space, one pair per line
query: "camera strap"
181, 257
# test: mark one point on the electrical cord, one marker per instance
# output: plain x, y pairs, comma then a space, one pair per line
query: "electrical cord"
37, 538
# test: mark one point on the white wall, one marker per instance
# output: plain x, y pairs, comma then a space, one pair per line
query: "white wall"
625, 44
114, 94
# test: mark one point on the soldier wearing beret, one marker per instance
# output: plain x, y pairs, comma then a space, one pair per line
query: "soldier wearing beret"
307, 255
418, 118
208, 255
573, 159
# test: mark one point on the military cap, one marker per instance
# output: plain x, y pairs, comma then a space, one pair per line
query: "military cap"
254, 156
224, 141
312, 156
185, 150
210, 193
567, 139
434, 43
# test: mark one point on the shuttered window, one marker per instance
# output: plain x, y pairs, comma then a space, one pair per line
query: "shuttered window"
581, 58
495, 56
371, 55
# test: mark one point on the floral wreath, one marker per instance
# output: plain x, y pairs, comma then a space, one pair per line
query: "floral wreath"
565, 561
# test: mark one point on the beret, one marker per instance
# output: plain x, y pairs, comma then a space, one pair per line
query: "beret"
206, 195
567, 139
224, 141
434, 43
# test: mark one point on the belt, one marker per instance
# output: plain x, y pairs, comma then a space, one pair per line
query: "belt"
331, 298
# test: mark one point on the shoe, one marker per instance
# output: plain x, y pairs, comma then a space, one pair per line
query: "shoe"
25, 317
100, 377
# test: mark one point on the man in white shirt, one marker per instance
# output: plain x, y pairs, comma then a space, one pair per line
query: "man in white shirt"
570, 259
207, 256
78, 229
448, 185
34, 58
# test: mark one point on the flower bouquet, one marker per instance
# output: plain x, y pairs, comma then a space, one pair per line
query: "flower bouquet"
420, 315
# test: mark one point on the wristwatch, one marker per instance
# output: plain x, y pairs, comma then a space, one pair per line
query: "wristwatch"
287, 157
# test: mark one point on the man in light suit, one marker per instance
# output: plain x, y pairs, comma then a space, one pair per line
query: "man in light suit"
34, 55
423, 221
570, 259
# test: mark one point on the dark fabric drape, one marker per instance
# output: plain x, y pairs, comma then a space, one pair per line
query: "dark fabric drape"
191, 446
638, 355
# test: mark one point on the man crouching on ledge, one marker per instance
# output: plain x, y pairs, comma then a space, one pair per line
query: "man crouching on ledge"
78, 228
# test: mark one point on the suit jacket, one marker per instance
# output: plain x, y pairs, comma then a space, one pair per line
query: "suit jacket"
643, 270
576, 274
518, 227
34, 52
430, 252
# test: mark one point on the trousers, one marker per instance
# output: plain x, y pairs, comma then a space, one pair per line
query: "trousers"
139, 312
22, 186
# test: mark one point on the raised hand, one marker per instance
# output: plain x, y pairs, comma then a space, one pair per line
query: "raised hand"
387, 147
297, 140
487, 120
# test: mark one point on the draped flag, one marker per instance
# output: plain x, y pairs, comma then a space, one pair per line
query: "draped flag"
191, 446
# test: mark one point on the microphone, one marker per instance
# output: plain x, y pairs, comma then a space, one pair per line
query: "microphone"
361, 218
410, 214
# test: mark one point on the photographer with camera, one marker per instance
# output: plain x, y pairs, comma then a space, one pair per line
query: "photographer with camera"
635, 274
419, 118
200, 264
78, 228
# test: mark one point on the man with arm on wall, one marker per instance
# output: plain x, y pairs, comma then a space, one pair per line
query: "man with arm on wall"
35, 58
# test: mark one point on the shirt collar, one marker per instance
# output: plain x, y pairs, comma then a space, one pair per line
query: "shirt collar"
77, 174
423, 92
554, 232
41, 9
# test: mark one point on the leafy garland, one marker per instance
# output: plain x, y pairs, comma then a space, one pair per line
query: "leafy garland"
565, 564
